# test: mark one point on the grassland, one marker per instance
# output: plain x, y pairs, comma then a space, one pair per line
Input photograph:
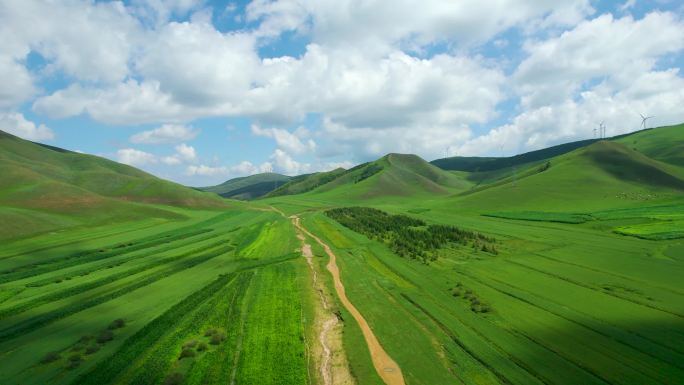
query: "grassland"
561, 272
207, 299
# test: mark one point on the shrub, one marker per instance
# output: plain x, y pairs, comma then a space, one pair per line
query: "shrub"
75, 357
190, 344
174, 379
202, 346
85, 339
74, 361
186, 353
217, 338
105, 336
117, 324
92, 349
210, 332
50, 357
77, 348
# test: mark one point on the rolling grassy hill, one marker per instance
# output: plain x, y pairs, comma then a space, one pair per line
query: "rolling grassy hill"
602, 175
249, 187
45, 187
306, 182
562, 270
394, 175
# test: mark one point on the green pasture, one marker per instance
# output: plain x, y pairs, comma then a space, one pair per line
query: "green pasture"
222, 290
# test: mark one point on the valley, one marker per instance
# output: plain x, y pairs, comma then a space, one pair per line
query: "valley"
560, 268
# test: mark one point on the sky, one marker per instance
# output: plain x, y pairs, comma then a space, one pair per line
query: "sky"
199, 92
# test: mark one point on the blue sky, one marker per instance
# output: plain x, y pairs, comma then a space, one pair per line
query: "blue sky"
202, 91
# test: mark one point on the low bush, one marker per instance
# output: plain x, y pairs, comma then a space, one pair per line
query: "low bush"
50, 357
92, 349
117, 324
186, 352
105, 336
174, 379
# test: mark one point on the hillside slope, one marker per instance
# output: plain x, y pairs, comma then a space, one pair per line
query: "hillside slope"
395, 175
306, 182
249, 187
45, 187
602, 175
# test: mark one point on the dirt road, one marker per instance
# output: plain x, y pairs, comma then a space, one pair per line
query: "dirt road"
387, 369
332, 362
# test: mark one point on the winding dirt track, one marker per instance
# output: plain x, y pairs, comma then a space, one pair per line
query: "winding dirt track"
387, 369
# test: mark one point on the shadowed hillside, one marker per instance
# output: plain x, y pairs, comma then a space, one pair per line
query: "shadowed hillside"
45, 187
249, 187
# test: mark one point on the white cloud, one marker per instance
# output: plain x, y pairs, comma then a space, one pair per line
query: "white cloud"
197, 65
241, 169
167, 133
627, 5
379, 24
16, 85
89, 41
286, 140
284, 163
16, 124
186, 153
602, 70
659, 93
135, 157
616, 49
204, 170
160, 11
367, 72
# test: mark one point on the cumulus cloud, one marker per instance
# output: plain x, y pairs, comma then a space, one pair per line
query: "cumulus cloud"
286, 140
603, 48
184, 154
133, 157
17, 83
167, 133
378, 76
284, 163
241, 169
16, 124
379, 24
89, 41
204, 170
602, 70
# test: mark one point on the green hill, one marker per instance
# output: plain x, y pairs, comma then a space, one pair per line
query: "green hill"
397, 175
602, 175
474, 163
249, 187
665, 144
45, 187
306, 182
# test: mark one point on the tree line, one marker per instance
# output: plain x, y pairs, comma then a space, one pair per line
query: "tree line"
406, 236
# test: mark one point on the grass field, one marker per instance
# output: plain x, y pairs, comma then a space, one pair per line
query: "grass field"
570, 273
560, 312
209, 299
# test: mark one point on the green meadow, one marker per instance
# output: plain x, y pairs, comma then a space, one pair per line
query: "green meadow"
560, 267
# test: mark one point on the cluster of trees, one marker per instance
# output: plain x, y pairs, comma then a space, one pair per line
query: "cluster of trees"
544, 167
476, 305
87, 345
408, 237
368, 172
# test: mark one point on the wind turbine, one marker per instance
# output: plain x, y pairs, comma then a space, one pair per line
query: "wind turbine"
644, 119
603, 129
594, 132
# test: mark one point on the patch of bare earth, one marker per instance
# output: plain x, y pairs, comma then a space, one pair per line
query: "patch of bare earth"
385, 366
328, 355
